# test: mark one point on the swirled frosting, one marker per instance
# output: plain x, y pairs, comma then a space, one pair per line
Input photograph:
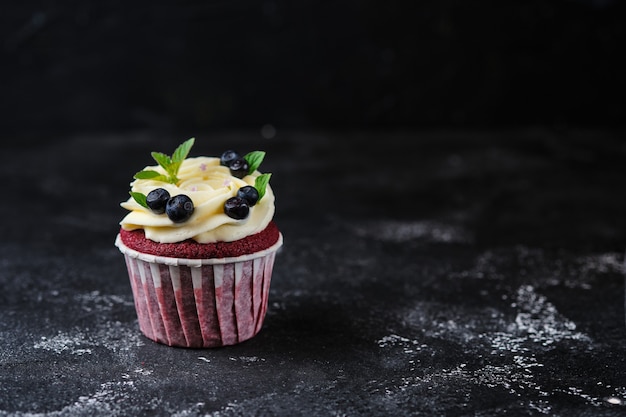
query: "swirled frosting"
209, 185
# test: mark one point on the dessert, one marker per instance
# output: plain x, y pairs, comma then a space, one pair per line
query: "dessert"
199, 243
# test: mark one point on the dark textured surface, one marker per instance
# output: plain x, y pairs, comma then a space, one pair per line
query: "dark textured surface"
425, 273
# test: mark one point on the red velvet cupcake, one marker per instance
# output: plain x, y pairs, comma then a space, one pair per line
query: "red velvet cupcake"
199, 244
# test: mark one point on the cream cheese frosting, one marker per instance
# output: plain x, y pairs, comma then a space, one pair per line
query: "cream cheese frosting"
209, 185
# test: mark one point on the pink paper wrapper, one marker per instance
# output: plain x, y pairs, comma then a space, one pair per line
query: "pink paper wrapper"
200, 303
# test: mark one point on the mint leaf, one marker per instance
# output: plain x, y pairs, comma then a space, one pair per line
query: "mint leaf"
178, 157
260, 183
149, 175
164, 160
139, 198
182, 151
171, 165
254, 160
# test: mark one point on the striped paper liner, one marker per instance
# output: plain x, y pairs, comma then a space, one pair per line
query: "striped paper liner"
200, 303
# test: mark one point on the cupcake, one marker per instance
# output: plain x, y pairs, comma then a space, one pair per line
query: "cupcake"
199, 243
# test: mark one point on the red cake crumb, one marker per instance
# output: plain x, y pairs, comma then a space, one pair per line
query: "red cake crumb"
190, 249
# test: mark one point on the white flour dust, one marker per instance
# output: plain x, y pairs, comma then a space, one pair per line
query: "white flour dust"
192, 411
65, 343
95, 301
537, 325
247, 359
537, 269
109, 401
109, 334
399, 232
540, 321
408, 345
113, 336
612, 262
117, 336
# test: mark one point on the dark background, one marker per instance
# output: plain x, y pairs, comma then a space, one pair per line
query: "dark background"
84, 66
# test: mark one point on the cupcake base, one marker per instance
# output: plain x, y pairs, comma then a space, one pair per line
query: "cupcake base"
200, 303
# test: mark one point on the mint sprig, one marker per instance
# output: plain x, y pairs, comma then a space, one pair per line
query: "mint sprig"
171, 164
260, 183
254, 160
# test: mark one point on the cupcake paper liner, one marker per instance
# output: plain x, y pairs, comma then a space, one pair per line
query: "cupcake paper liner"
200, 303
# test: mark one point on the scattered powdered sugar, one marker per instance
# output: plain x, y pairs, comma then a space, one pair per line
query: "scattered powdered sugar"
403, 231
536, 324
408, 345
95, 301
612, 262
229, 409
540, 321
515, 339
617, 397
577, 392
142, 371
458, 372
247, 359
117, 336
110, 334
487, 265
109, 400
538, 269
65, 343
113, 336
192, 411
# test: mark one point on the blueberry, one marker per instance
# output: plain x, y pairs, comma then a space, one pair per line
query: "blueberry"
236, 208
179, 208
238, 167
157, 199
249, 193
227, 157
